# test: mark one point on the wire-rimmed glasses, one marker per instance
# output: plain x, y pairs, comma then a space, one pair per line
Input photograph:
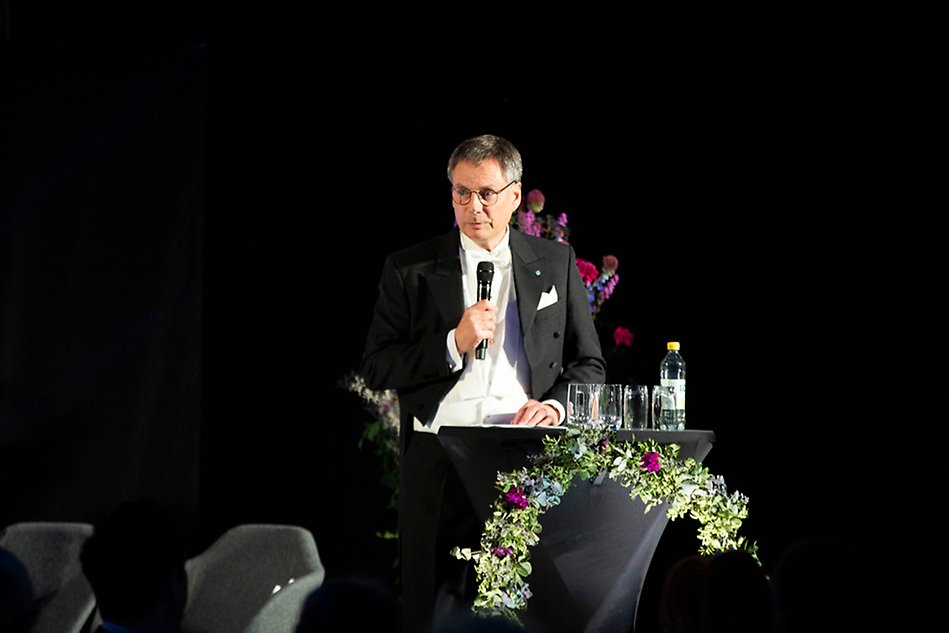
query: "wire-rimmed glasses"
487, 196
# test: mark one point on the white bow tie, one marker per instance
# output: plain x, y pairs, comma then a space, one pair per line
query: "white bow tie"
500, 257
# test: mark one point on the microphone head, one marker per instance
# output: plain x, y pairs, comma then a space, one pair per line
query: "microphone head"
485, 272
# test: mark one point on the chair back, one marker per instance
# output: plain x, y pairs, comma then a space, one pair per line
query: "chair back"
282, 612
50, 553
231, 582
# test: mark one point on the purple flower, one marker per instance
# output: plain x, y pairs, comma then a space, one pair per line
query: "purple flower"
502, 552
650, 462
527, 223
607, 291
515, 498
562, 219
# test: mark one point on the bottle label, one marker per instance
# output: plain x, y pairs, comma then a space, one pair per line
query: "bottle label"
679, 384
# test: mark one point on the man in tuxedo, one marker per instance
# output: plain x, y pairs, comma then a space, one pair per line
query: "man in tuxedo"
427, 324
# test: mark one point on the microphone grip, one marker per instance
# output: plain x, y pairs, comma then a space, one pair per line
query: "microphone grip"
485, 277
484, 292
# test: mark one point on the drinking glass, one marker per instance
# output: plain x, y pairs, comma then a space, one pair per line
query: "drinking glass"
636, 407
610, 405
580, 403
664, 408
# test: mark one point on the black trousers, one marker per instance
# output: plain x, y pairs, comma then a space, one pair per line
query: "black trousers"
435, 515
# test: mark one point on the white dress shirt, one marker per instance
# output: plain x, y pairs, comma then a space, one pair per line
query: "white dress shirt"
492, 389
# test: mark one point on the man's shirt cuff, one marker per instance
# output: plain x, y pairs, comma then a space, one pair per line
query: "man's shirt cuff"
455, 360
559, 407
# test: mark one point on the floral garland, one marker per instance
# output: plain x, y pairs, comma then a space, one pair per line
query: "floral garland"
651, 472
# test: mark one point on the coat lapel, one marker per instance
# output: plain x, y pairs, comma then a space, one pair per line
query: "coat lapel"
530, 279
445, 280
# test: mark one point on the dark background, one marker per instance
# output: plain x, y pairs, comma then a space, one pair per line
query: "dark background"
197, 202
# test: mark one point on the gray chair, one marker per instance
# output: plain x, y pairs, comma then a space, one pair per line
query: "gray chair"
242, 575
282, 612
50, 553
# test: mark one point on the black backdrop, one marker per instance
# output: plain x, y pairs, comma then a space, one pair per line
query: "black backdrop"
194, 223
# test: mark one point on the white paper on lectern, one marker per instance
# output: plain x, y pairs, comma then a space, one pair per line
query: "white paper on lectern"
498, 419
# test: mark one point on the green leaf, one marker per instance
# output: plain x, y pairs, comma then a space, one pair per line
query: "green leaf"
461, 553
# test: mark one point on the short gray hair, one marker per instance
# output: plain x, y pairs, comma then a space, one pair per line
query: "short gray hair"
486, 147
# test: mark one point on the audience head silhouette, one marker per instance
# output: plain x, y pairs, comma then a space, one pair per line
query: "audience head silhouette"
350, 604
826, 584
17, 607
683, 597
739, 595
725, 593
474, 623
135, 563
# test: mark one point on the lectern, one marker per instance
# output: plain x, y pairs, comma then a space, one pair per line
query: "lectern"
595, 548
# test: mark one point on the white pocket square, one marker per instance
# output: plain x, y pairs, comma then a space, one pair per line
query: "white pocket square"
548, 298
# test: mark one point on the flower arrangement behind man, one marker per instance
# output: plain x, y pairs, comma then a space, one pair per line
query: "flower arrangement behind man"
600, 282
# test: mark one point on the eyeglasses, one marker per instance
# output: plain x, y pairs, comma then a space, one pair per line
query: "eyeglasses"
487, 196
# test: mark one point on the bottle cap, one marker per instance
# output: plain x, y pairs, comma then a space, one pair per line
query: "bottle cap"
672, 345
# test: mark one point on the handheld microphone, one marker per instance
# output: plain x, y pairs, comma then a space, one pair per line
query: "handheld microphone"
485, 277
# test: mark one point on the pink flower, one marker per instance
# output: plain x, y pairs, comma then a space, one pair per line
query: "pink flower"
610, 263
588, 271
502, 552
535, 200
623, 336
650, 462
607, 291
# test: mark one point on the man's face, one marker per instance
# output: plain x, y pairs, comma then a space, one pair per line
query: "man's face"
485, 225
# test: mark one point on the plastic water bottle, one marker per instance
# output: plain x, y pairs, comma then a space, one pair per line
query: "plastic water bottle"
672, 374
